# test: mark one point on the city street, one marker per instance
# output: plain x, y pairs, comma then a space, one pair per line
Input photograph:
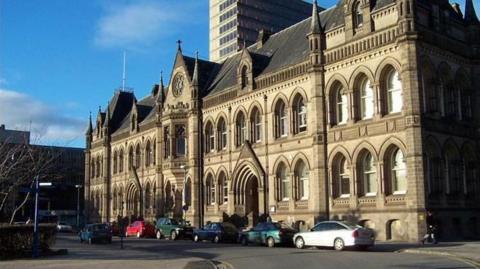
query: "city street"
152, 253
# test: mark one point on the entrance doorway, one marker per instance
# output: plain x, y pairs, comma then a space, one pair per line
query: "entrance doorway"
251, 200
248, 194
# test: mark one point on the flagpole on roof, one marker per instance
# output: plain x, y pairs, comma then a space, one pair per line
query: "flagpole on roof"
124, 70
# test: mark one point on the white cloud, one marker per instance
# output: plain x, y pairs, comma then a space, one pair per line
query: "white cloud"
48, 124
140, 24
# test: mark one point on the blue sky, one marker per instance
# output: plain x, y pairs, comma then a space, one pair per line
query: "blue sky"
60, 59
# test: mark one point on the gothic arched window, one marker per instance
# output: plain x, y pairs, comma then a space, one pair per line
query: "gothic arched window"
281, 120
241, 129
396, 172
368, 175
301, 181
366, 99
340, 106
256, 126
222, 134
341, 178
209, 138
300, 114
357, 14
283, 183
394, 90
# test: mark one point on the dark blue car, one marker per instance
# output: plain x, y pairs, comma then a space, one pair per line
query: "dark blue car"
216, 232
94, 233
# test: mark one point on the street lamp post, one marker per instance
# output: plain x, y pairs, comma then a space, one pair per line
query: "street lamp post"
184, 202
36, 240
78, 187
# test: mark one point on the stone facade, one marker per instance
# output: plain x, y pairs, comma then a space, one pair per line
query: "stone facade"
367, 111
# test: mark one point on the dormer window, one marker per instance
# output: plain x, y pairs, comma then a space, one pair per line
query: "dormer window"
244, 77
357, 15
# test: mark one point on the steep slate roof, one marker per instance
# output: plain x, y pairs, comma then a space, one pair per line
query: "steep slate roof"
285, 48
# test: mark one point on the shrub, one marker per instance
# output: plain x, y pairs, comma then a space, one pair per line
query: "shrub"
17, 240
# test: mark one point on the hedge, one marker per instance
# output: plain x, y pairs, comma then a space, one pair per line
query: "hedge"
17, 240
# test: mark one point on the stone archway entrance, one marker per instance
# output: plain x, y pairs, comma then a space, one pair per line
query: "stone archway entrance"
134, 202
248, 194
251, 200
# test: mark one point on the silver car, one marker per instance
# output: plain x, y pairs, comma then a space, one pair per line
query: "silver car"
336, 234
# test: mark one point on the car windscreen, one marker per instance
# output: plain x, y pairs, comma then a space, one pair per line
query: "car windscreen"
351, 225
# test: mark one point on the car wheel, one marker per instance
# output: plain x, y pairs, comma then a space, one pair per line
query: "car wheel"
299, 242
338, 244
195, 238
158, 235
244, 241
270, 242
216, 239
173, 235
138, 234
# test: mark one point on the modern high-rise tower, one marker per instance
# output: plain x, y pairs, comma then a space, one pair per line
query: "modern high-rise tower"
234, 23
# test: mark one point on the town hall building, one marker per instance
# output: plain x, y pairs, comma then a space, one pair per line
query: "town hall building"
368, 111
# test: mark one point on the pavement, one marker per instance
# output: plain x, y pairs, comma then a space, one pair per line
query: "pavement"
466, 251
185, 254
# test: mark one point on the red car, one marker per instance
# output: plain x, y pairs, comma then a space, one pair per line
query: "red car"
140, 229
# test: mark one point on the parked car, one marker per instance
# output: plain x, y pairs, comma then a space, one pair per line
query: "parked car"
139, 229
97, 232
216, 232
168, 227
64, 227
268, 233
336, 234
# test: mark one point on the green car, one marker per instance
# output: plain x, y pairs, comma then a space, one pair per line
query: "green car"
168, 227
268, 233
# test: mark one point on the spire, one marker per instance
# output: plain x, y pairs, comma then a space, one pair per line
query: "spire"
161, 89
90, 126
195, 72
107, 117
315, 28
470, 14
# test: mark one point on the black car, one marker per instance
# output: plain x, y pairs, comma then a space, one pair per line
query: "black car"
216, 232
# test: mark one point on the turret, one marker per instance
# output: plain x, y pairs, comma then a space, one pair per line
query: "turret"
316, 38
406, 10
160, 98
473, 27
89, 132
106, 124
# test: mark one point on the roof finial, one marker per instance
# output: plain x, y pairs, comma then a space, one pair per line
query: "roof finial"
470, 14
195, 71
315, 28
179, 45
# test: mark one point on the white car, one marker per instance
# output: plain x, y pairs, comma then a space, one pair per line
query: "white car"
335, 234
63, 227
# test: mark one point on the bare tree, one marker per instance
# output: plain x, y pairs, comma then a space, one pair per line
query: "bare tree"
19, 165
